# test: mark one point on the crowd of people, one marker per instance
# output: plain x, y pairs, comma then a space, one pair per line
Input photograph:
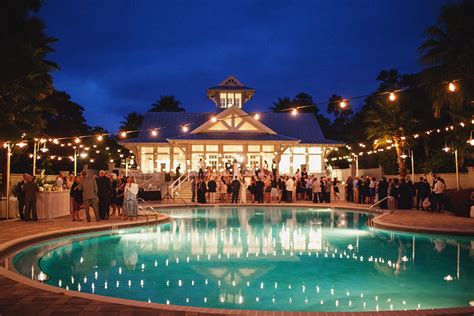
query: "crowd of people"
269, 188
406, 194
106, 193
263, 187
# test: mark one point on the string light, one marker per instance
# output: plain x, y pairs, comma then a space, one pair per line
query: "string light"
392, 96
452, 87
185, 128
21, 144
77, 140
446, 148
256, 116
55, 141
100, 137
213, 119
123, 134
154, 132
343, 104
470, 141
294, 111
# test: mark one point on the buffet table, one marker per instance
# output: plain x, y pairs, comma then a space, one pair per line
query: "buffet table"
51, 204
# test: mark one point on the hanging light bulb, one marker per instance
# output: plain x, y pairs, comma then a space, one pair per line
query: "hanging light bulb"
123, 134
83, 154
470, 141
56, 141
446, 148
294, 111
213, 119
154, 132
256, 116
343, 104
44, 149
100, 137
185, 128
21, 144
403, 156
77, 140
392, 96
452, 87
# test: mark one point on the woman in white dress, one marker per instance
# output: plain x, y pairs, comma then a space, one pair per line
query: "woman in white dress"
243, 191
130, 203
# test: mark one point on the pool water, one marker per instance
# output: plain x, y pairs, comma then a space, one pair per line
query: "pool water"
262, 258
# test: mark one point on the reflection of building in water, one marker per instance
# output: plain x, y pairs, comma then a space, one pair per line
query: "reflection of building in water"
248, 231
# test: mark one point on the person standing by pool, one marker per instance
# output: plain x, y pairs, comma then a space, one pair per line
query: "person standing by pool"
193, 189
113, 193
212, 188
122, 181
316, 189
382, 192
259, 188
222, 189
289, 189
21, 196
235, 190
335, 189
76, 197
243, 191
30, 188
201, 191
130, 204
104, 192
88, 186
355, 189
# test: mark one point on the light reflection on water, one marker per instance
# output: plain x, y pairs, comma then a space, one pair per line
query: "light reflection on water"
262, 258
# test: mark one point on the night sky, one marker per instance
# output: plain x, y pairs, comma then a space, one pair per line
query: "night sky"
119, 56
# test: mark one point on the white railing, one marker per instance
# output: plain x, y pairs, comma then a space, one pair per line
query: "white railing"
155, 178
176, 185
390, 204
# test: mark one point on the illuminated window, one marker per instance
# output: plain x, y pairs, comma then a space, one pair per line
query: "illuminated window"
268, 148
254, 148
198, 147
212, 148
238, 100
233, 148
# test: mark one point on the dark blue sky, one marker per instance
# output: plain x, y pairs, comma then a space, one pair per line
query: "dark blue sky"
120, 56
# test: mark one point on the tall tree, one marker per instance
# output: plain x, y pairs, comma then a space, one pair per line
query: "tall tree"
388, 125
448, 54
67, 117
25, 79
282, 104
167, 103
131, 122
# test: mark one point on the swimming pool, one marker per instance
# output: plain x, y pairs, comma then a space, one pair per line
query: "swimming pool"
262, 258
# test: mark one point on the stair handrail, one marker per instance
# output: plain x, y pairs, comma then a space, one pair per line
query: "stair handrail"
176, 184
156, 176
390, 204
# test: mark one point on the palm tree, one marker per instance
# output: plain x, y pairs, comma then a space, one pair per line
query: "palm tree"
167, 103
25, 79
448, 54
387, 124
282, 104
132, 122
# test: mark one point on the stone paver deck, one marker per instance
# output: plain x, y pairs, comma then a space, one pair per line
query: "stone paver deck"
21, 296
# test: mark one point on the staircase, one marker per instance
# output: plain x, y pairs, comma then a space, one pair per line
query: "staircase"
185, 191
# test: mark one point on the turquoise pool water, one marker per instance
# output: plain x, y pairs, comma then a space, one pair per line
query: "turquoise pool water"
298, 259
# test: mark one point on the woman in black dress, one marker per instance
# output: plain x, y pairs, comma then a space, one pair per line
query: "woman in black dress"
120, 194
201, 191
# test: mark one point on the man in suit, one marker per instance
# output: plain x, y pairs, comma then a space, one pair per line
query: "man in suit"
104, 188
88, 186
259, 187
21, 196
235, 190
29, 189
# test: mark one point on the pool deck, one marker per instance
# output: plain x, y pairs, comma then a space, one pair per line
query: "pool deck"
20, 295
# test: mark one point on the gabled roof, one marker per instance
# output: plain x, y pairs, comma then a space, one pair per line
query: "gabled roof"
236, 113
231, 83
303, 127
234, 136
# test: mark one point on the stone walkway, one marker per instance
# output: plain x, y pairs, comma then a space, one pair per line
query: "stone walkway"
21, 296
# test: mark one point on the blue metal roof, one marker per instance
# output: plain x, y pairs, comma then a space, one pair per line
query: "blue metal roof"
234, 136
303, 127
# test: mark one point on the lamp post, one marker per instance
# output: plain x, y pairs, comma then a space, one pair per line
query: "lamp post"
75, 160
457, 169
412, 166
35, 148
447, 149
7, 193
356, 157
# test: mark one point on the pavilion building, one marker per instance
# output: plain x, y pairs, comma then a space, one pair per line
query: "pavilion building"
229, 135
